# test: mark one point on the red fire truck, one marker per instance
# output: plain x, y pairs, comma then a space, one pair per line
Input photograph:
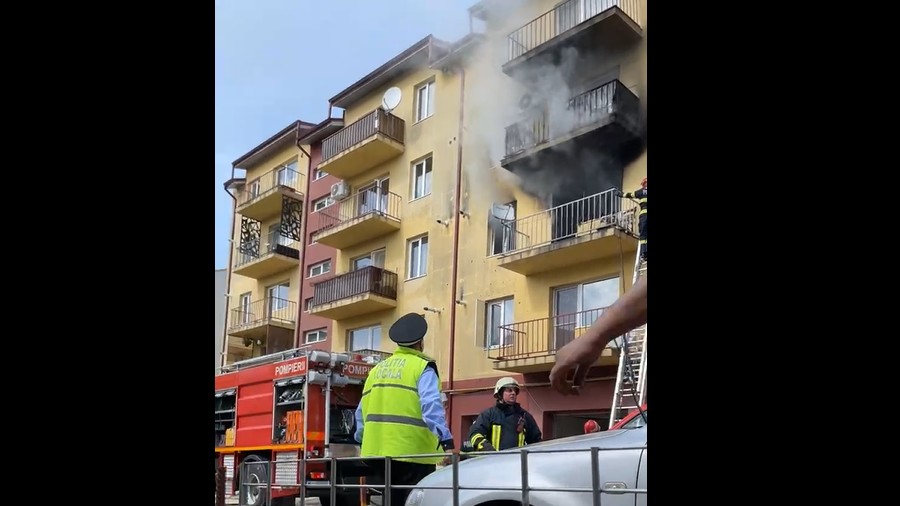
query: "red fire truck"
277, 406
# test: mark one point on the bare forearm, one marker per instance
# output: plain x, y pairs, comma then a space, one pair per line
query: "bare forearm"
627, 313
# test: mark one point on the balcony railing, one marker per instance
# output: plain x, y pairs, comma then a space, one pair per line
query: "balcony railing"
372, 280
581, 110
360, 205
263, 312
251, 251
269, 182
369, 356
562, 18
540, 337
376, 122
566, 221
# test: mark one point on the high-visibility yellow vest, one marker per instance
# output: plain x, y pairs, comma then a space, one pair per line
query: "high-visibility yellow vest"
392, 413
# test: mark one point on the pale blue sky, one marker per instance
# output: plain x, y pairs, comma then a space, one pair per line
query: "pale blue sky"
281, 60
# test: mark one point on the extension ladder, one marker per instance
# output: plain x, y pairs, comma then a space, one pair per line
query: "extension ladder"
631, 379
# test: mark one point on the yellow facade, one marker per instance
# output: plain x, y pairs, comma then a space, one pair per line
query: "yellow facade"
600, 61
260, 307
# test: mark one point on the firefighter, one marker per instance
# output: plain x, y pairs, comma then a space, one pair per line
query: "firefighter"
506, 424
641, 195
400, 413
591, 426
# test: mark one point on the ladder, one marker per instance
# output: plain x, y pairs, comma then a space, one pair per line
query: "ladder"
631, 378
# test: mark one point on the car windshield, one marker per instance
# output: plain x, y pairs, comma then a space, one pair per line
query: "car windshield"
637, 421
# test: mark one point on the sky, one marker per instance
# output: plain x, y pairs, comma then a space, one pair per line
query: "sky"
278, 61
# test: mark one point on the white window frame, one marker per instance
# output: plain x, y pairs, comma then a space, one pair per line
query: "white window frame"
277, 305
321, 335
506, 307
244, 302
329, 200
425, 100
422, 259
325, 268
319, 174
380, 253
371, 345
422, 172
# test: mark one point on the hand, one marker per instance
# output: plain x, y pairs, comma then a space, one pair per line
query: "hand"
578, 355
487, 447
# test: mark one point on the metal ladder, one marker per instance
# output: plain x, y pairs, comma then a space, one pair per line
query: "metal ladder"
631, 379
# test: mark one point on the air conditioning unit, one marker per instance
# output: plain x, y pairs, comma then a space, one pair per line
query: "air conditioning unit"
340, 190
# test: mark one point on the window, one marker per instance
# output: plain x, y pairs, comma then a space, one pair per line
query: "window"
316, 336
322, 203
319, 269
497, 314
366, 338
244, 306
319, 174
502, 228
307, 304
425, 100
373, 197
286, 175
276, 298
421, 178
418, 257
576, 307
375, 258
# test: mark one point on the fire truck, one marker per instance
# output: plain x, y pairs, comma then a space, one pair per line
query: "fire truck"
274, 407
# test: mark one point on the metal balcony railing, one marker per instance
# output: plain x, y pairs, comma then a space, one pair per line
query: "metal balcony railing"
263, 312
566, 221
561, 19
376, 122
581, 110
360, 205
268, 183
251, 251
371, 356
371, 279
540, 337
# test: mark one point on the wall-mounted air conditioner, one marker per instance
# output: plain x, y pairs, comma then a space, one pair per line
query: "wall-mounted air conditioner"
340, 190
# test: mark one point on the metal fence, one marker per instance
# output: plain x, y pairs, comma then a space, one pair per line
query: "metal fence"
248, 491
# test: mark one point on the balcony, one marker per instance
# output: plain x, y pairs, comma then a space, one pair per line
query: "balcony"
257, 261
255, 320
530, 346
276, 192
355, 293
363, 216
588, 26
584, 230
600, 124
366, 143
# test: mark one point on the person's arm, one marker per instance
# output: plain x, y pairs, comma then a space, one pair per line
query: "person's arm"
532, 431
478, 434
359, 423
627, 313
432, 408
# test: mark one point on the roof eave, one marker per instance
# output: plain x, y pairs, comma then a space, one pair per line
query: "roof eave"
287, 136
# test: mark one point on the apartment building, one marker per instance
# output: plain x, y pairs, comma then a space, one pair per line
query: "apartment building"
221, 290
265, 284
554, 127
473, 182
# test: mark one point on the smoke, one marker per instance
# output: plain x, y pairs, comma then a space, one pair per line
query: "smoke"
495, 103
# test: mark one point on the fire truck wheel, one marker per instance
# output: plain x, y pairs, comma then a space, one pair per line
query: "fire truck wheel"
255, 473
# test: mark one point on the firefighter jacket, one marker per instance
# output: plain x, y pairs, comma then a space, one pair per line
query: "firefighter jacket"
392, 411
504, 426
641, 195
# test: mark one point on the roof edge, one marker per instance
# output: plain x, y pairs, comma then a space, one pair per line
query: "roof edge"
321, 131
294, 127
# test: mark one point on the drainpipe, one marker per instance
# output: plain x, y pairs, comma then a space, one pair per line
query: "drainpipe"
305, 217
228, 276
457, 213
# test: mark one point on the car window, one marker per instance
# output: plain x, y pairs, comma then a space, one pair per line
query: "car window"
637, 421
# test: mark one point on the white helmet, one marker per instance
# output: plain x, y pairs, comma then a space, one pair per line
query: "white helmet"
504, 382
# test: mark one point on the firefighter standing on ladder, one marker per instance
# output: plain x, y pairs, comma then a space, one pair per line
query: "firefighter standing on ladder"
641, 195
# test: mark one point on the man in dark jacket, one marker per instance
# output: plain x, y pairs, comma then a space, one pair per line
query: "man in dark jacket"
504, 425
641, 195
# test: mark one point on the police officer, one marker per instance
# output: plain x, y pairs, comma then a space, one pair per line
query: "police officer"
506, 424
641, 195
400, 413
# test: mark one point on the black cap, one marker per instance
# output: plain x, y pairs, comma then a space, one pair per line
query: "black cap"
409, 329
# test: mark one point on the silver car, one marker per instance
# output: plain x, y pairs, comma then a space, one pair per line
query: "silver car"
559, 472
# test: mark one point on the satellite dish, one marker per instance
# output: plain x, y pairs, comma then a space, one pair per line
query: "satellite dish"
391, 99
